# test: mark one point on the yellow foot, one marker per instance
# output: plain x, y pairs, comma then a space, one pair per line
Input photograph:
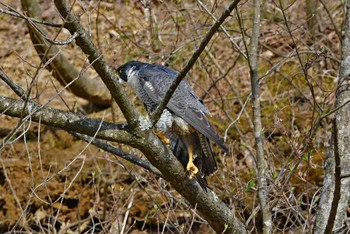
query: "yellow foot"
162, 137
191, 168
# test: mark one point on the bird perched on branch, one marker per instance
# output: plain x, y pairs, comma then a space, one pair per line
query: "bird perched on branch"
183, 122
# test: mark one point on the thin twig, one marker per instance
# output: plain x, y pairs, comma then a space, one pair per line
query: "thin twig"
15, 87
331, 19
15, 13
129, 157
238, 116
127, 212
33, 22
223, 29
71, 22
156, 115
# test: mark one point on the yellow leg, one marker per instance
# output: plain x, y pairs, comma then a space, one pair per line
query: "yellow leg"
162, 137
191, 168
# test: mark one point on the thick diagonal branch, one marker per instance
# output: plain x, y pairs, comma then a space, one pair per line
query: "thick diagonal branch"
71, 22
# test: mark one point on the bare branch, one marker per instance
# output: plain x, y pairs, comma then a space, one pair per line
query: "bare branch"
80, 84
331, 19
157, 113
129, 157
71, 22
258, 134
15, 13
15, 87
224, 30
65, 120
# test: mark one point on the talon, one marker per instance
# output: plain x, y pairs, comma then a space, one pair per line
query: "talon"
162, 137
191, 168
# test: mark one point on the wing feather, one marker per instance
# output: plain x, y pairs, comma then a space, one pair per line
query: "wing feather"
200, 123
184, 102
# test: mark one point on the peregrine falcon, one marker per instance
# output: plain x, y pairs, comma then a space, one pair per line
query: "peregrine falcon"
183, 121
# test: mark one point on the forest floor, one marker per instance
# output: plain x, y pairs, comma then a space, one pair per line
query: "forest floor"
51, 182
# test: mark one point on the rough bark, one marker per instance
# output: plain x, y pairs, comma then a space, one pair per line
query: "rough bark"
65, 120
326, 198
331, 214
342, 119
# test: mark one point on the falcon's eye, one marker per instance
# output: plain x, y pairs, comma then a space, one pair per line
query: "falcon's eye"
120, 71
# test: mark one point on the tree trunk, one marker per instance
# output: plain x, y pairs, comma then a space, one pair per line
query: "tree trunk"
336, 191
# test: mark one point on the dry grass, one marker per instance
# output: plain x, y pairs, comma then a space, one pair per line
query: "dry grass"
50, 181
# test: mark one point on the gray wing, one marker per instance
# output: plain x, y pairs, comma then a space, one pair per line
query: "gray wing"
183, 103
197, 119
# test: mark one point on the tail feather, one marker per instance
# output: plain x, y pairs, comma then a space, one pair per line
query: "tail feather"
208, 161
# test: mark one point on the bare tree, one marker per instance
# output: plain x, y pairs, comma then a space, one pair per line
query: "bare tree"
216, 212
275, 96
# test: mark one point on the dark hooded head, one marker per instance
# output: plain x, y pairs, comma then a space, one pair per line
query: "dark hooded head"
124, 69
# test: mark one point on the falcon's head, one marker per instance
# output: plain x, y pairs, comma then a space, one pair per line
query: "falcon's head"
125, 70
